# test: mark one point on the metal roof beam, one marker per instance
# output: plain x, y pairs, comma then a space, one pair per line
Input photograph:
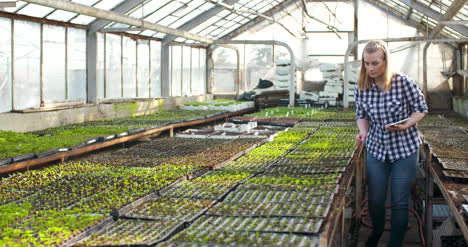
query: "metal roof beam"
426, 10
199, 19
448, 15
122, 8
121, 18
258, 20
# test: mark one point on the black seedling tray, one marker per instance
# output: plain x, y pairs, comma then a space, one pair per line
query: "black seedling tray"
51, 152
270, 210
296, 225
256, 196
209, 237
323, 190
23, 157
301, 169
454, 164
5, 161
138, 130
92, 230
129, 232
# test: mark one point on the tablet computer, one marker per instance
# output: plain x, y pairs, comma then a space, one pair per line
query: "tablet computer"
399, 122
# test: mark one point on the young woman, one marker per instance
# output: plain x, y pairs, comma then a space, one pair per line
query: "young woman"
383, 98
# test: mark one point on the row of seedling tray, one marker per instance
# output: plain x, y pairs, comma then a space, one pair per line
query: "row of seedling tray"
100, 139
285, 205
174, 203
94, 192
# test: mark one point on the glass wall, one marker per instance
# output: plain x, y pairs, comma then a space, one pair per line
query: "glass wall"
202, 73
129, 63
27, 65
54, 60
176, 71
186, 71
155, 77
5, 65
225, 69
259, 64
100, 66
143, 69
76, 64
113, 82
48, 65
195, 63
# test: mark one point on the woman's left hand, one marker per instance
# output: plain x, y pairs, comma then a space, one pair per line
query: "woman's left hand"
396, 127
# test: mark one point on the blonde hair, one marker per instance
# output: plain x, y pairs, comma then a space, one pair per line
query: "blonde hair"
364, 80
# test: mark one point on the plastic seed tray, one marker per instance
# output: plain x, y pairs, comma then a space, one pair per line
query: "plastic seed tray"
270, 209
191, 237
312, 180
456, 174
247, 166
446, 131
258, 196
301, 169
265, 120
314, 190
131, 232
454, 164
306, 162
199, 191
433, 120
339, 124
165, 208
321, 155
450, 153
307, 124
259, 224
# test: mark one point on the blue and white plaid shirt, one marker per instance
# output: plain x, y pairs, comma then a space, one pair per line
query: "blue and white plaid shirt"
381, 108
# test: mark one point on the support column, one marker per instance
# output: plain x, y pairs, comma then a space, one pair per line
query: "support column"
209, 70
165, 71
92, 67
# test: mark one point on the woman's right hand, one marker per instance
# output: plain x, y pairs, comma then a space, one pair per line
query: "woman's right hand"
361, 138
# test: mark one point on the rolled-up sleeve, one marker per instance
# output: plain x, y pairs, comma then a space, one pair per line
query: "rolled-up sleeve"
415, 97
360, 112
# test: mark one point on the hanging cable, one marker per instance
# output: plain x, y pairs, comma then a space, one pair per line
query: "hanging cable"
329, 27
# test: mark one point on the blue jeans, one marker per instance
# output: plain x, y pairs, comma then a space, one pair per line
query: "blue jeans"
401, 174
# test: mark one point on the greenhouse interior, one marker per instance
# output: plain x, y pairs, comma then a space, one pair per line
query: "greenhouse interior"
234, 123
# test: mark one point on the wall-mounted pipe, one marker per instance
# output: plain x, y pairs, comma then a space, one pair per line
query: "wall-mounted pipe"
292, 89
120, 18
406, 39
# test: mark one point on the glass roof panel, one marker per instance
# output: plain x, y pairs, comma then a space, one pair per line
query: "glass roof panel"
196, 3
60, 15
206, 6
83, 19
35, 10
19, 5
86, 2
119, 25
148, 8
186, 18
159, 35
148, 33
163, 12
107, 4
167, 20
